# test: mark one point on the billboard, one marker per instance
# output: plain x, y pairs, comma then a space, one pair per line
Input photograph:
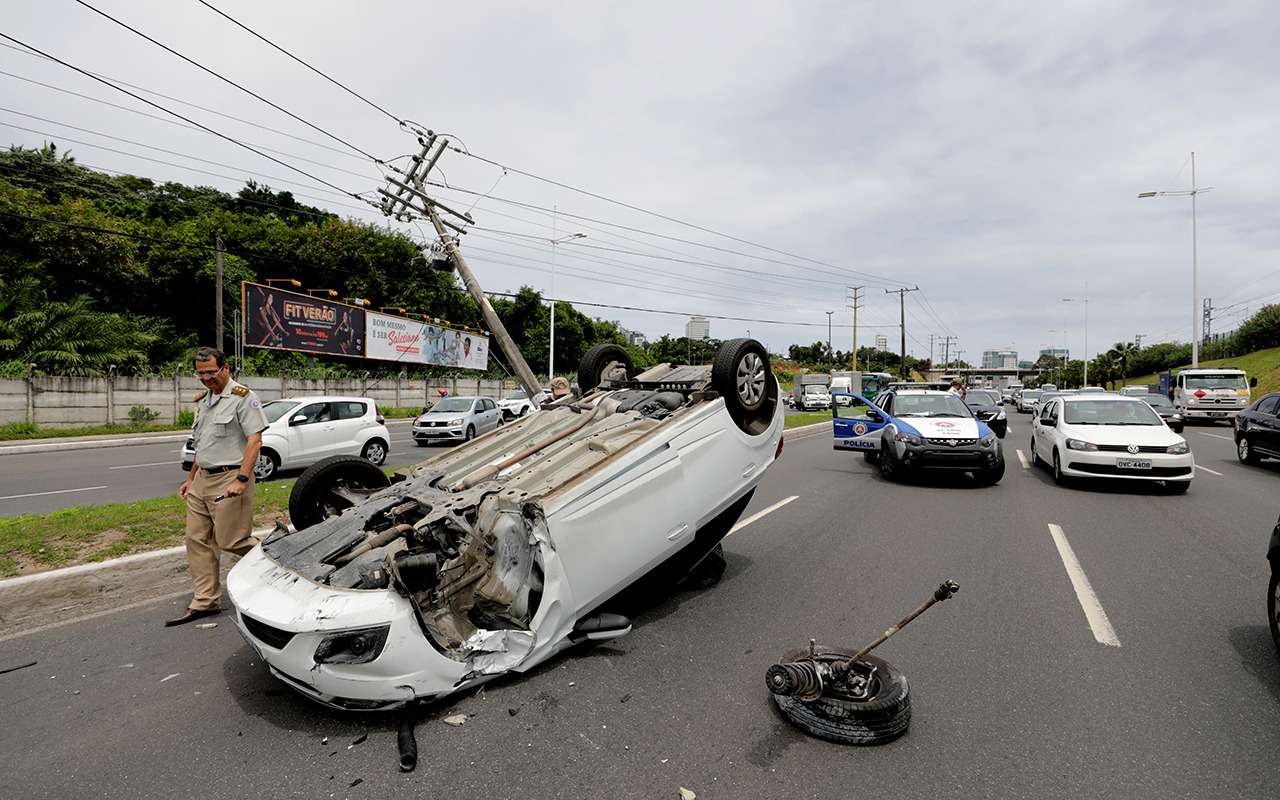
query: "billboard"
393, 338
281, 320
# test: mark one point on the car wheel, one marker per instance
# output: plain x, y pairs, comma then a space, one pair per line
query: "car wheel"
604, 362
1058, 477
524, 410
471, 433
421, 442
1177, 487
836, 716
888, 470
1245, 451
375, 452
992, 476
1035, 457
1273, 605
741, 374
330, 486
267, 465
870, 456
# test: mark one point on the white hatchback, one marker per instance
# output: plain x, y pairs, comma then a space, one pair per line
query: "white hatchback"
1109, 436
304, 430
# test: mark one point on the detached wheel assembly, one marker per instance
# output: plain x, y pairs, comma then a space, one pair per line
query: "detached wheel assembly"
604, 362
850, 698
331, 486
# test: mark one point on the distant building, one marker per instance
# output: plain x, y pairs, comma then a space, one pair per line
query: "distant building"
1057, 352
637, 339
999, 359
1026, 365
698, 328
882, 342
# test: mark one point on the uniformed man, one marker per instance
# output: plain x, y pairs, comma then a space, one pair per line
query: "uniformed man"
219, 490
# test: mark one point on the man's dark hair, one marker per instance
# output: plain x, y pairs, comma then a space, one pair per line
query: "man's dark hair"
206, 353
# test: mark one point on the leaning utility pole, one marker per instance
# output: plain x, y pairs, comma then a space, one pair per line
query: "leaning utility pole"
855, 306
408, 198
902, 310
217, 314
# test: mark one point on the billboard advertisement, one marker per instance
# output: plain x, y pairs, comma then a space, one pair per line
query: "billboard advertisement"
392, 338
281, 320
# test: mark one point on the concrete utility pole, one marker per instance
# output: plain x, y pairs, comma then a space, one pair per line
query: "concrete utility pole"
902, 311
217, 313
1137, 340
1208, 318
855, 306
399, 202
830, 351
946, 350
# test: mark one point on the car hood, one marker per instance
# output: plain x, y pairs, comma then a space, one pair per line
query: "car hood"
945, 427
1122, 434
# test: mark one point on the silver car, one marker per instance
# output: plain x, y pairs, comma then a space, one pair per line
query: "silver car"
456, 419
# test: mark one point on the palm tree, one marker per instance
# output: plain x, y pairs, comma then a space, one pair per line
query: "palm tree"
1124, 351
72, 338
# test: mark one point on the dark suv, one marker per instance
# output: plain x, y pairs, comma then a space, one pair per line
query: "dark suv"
1258, 430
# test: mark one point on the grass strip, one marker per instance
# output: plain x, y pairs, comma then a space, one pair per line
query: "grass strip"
13, 431
799, 420
82, 534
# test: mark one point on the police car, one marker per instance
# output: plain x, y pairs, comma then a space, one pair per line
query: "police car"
908, 430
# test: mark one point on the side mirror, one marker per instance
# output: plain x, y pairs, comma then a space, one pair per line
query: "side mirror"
874, 415
298, 420
1253, 383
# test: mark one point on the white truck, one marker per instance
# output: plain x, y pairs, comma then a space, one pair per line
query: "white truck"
1215, 393
811, 392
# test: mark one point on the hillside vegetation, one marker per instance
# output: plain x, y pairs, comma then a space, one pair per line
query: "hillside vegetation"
1263, 365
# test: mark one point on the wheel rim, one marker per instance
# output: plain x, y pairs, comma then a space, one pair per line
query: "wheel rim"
1242, 447
264, 466
376, 453
750, 379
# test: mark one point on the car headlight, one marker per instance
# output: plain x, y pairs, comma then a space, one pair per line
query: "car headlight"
1080, 444
457, 421
988, 440
1176, 416
909, 438
1000, 414
1179, 449
352, 647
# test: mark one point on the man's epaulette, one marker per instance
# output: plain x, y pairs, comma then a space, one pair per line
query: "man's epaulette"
241, 391
200, 396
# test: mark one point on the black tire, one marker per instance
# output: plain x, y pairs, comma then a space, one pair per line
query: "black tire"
1177, 487
1058, 477
870, 456
330, 486
1245, 451
888, 470
990, 477
600, 361
743, 376
1273, 605
471, 433
524, 410
375, 452
882, 718
267, 465
1035, 457
421, 442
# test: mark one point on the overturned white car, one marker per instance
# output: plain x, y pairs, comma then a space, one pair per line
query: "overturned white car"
496, 555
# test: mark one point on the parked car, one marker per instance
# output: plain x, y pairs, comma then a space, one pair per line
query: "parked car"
1257, 430
517, 404
456, 419
1273, 586
1027, 400
304, 430
494, 556
1163, 407
988, 406
1109, 436
1139, 392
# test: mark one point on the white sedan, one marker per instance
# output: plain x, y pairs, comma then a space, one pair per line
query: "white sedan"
493, 556
1109, 436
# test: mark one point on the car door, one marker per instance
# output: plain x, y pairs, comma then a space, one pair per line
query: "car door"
1264, 427
1041, 433
349, 422
310, 434
491, 414
856, 422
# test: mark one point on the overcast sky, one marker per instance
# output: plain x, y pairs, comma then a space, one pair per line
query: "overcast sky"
990, 153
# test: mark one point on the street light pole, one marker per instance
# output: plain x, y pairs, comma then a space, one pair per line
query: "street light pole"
555, 242
1084, 301
1195, 259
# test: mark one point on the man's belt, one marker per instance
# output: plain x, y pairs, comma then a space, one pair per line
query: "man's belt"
216, 470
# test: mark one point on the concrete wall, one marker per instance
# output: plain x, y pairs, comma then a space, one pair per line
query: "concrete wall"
54, 402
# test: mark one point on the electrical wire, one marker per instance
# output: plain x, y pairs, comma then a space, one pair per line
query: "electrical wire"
227, 80
343, 87
184, 119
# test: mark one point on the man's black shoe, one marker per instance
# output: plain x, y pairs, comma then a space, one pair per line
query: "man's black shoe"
191, 615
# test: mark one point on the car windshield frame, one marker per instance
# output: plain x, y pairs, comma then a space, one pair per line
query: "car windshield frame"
1117, 411
452, 405
1234, 381
816, 388
1160, 401
993, 397
284, 407
930, 405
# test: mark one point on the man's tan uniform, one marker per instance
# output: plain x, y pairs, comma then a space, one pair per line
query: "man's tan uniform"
224, 423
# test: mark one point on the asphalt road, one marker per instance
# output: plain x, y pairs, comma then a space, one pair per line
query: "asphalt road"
1013, 695
39, 483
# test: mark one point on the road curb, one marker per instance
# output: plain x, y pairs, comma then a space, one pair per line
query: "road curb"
803, 428
30, 600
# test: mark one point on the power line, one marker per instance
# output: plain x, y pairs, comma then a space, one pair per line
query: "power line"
225, 79
349, 91
185, 119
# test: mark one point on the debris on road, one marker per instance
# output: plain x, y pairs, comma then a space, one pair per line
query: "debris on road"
513, 711
358, 740
456, 720
169, 677
407, 745
356, 783
204, 626
15, 668
625, 698
687, 794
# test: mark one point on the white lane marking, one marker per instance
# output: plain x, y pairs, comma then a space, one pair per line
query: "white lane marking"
152, 464
1098, 622
1023, 459
60, 491
744, 523
1216, 436
1210, 471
